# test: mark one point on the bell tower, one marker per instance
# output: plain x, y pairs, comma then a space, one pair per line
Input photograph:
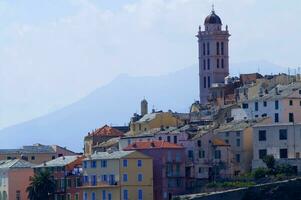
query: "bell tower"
213, 54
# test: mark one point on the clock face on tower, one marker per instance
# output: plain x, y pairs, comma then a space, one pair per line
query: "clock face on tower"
213, 54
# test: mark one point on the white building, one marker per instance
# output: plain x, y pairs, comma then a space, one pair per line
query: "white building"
282, 140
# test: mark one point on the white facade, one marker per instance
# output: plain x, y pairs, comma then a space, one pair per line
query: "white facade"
282, 140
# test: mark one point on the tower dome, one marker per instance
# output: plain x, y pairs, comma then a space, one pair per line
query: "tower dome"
213, 18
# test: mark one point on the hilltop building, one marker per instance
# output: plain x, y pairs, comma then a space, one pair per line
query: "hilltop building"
213, 54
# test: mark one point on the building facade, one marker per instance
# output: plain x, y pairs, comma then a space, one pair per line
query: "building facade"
118, 175
67, 174
282, 140
168, 167
14, 179
213, 54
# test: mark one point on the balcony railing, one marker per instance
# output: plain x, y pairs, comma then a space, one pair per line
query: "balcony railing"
102, 184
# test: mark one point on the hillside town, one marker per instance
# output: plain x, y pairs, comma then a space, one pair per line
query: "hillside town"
227, 134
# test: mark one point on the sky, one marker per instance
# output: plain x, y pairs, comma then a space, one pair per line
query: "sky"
54, 52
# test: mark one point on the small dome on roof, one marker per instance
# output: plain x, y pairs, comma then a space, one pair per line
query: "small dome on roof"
213, 18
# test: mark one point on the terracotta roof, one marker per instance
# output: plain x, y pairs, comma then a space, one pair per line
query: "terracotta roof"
106, 131
219, 142
153, 144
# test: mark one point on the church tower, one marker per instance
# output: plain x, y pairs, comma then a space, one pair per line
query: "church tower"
213, 54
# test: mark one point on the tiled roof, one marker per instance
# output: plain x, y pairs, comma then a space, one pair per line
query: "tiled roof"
106, 131
108, 156
59, 162
37, 148
219, 142
16, 163
153, 145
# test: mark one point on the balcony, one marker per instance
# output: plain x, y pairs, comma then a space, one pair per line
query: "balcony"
101, 184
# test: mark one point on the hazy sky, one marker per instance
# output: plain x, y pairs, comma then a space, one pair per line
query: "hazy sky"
53, 52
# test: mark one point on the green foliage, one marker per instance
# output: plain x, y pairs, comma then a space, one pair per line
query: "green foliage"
260, 172
285, 169
237, 184
269, 160
41, 186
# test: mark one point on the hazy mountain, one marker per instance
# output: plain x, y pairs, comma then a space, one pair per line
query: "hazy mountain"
114, 104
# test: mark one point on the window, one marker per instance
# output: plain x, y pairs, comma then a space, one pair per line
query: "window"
85, 196
204, 64
125, 163
291, 102
103, 163
237, 158
125, 177
85, 164
125, 195
237, 134
299, 91
238, 142
262, 135
262, 153
168, 138
18, 195
175, 139
112, 179
300, 103
110, 196
178, 157
217, 154
227, 134
276, 117
217, 48
201, 154
282, 134
139, 163
103, 195
205, 81
227, 141
104, 178
86, 179
140, 177
160, 138
204, 49
140, 194
199, 143
209, 82
93, 196
291, 117
208, 64
208, 48
222, 63
283, 153
245, 105
33, 157
265, 104
76, 196
256, 106
93, 164
217, 63
190, 154
93, 180
222, 48
276, 105
200, 170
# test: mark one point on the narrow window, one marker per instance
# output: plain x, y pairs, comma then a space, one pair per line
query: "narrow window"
276, 117
208, 48
205, 82
209, 82
256, 106
217, 48
291, 102
222, 48
217, 63
291, 117
262, 135
125, 163
204, 64
222, 63
282, 134
265, 104
237, 158
208, 64
276, 105
204, 49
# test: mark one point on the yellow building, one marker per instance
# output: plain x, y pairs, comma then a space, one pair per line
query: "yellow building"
118, 175
154, 120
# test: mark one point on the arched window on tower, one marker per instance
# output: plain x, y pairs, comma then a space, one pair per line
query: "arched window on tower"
209, 82
204, 49
205, 82
222, 48
204, 64
208, 48
208, 64
217, 63
217, 48
222, 63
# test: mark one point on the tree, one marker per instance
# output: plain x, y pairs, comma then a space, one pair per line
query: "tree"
269, 160
41, 187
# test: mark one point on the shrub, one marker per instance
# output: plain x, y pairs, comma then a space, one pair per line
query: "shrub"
260, 172
285, 169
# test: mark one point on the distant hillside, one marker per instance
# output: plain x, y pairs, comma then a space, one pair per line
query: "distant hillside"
111, 104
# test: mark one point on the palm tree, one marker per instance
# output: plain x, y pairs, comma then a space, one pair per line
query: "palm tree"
42, 186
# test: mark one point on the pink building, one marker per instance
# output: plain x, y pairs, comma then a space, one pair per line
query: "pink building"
14, 179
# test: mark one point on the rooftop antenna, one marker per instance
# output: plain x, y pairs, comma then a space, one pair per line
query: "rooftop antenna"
213, 8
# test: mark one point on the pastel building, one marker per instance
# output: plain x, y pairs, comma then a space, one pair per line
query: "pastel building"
282, 140
14, 179
118, 175
282, 104
168, 166
36, 154
67, 174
